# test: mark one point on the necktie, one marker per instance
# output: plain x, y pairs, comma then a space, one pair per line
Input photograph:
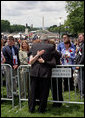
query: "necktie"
14, 56
13, 52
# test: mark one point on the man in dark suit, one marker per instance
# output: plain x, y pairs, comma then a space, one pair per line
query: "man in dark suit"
42, 62
80, 60
7, 51
10, 53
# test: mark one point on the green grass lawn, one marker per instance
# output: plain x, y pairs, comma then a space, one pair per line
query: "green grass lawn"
67, 110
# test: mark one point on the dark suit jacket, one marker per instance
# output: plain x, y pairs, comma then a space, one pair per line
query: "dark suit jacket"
79, 59
82, 51
7, 52
44, 69
57, 56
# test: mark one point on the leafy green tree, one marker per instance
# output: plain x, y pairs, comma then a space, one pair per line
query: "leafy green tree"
17, 28
53, 28
75, 18
57, 29
5, 26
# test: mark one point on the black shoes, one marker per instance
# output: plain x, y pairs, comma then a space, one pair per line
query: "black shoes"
31, 110
57, 104
41, 111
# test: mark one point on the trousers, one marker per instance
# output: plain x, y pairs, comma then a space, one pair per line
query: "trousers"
39, 89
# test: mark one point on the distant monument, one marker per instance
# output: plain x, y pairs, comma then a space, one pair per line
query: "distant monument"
26, 29
43, 23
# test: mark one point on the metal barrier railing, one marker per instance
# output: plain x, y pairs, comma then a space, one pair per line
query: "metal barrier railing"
7, 83
61, 72
23, 70
55, 74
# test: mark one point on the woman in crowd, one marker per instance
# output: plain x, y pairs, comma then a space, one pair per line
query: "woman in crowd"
56, 83
68, 56
24, 60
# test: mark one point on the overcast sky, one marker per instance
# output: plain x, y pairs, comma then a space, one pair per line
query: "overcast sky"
31, 12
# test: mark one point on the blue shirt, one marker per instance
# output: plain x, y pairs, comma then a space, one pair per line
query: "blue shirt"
61, 46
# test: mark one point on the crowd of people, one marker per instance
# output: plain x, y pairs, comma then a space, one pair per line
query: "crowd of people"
43, 55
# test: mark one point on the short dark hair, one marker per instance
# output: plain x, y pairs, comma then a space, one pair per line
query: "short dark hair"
66, 35
67, 41
11, 38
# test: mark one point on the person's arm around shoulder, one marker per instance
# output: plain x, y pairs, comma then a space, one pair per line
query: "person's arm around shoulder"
32, 59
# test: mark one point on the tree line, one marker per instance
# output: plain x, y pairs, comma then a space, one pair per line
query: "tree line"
6, 27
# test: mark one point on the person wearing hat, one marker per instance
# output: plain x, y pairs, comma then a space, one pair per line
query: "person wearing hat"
41, 69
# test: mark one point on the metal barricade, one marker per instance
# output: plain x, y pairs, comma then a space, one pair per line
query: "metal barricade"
65, 72
7, 83
23, 73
